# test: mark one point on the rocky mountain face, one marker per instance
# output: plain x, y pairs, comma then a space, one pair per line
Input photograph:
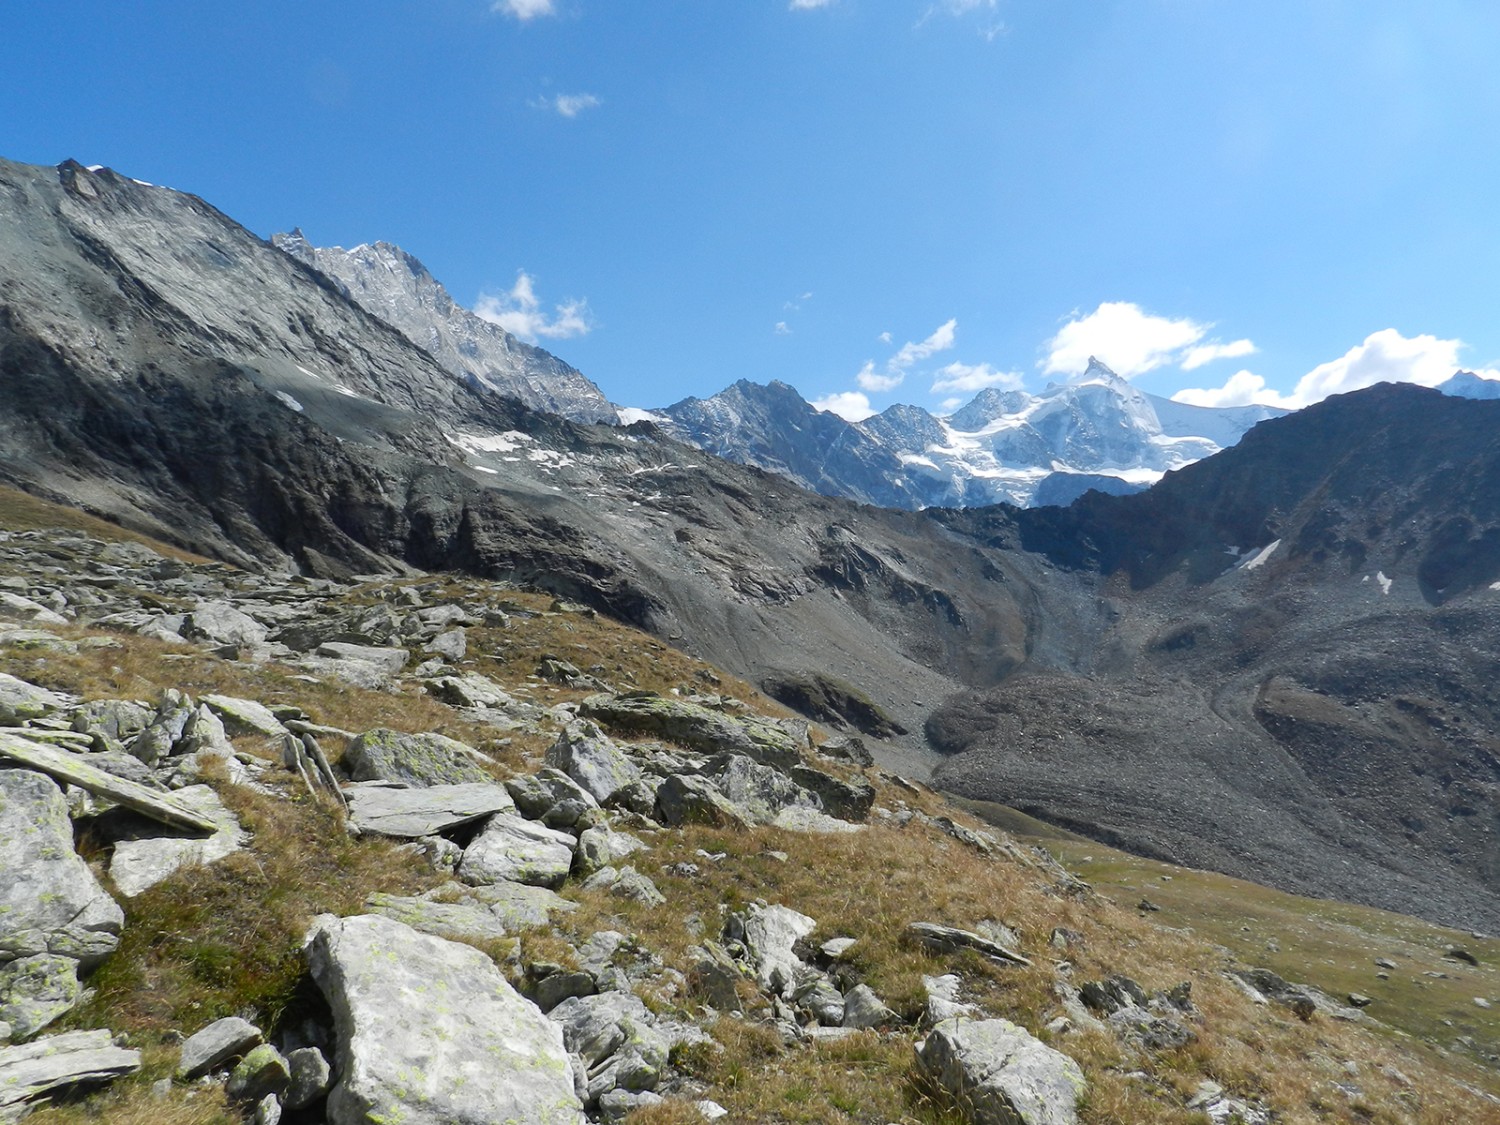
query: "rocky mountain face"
389, 283
1287, 642
1096, 431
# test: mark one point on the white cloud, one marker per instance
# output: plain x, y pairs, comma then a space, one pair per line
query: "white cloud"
524, 10
848, 405
884, 337
1128, 339
807, 5
571, 105
891, 374
520, 313
872, 380
970, 378
1384, 357
781, 328
949, 405
1200, 354
1240, 389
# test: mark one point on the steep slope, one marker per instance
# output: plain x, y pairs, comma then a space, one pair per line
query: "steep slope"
1002, 447
389, 283
1292, 678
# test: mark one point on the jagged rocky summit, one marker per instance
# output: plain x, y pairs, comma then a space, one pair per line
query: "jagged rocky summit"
1093, 432
391, 284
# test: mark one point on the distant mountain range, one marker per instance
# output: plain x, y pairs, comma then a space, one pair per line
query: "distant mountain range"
1096, 431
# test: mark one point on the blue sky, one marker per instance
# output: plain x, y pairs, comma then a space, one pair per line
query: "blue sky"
902, 200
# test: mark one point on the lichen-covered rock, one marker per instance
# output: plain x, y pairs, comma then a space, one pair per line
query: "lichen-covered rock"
36, 990
32, 1071
758, 789
1001, 1075
212, 1046
20, 701
410, 813
770, 933
697, 727
458, 921
244, 716
263, 1071
145, 859
311, 1077
589, 757
413, 759
515, 849
50, 901
430, 1033
686, 799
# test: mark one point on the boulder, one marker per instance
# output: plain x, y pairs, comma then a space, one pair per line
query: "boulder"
410, 813
418, 760
244, 716
31, 1072
759, 790
687, 799
863, 1009
382, 660
50, 901
260, 1073
602, 846
847, 800
310, 1077
111, 722
430, 1033
21, 702
770, 932
36, 990
518, 906
514, 849
17, 608
1001, 1075
589, 757
458, 921
451, 645
947, 939
469, 690
216, 1044
219, 623
143, 860
697, 727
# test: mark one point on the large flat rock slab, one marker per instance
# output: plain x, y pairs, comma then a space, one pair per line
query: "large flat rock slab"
430, 1033
409, 813
139, 864
30, 1072
1001, 1075
50, 901
511, 848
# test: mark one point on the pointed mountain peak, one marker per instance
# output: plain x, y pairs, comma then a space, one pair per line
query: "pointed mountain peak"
1098, 372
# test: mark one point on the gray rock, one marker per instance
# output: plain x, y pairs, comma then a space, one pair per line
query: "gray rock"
397, 994
589, 757
800, 818
50, 901
32, 1071
418, 760
697, 727
111, 722
686, 799
211, 1047
514, 849
759, 790
818, 996
469, 690
452, 645
244, 716
458, 921
311, 1076
942, 999
770, 932
863, 1009
204, 732
142, 861
36, 990
410, 813
263, 1071
1001, 1075
847, 800
947, 939
222, 624
636, 887
18, 608
21, 702
714, 976
602, 846
518, 906
159, 739
618, 1104
596, 1027
385, 661
268, 1111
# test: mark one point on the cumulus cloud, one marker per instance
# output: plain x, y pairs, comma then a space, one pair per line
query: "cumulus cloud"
571, 105
884, 337
891, 374
1384, 357
848, 405
807, 5
1199, 354
1127, 338
524, 10
520, 313
970, 378
781, 328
